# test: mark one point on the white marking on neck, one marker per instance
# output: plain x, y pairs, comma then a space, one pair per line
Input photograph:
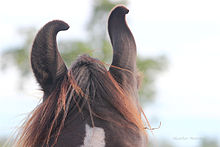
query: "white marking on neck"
95, 137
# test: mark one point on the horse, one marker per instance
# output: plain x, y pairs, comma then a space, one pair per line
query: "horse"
86, 105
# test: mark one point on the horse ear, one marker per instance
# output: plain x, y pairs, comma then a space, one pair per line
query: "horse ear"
124, 48
47, 64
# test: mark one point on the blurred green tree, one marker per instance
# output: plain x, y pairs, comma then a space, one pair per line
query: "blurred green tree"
208, 142
98, 39
161, 143
4, 142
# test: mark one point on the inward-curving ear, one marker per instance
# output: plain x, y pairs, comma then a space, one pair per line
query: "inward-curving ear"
124, 48
47, 64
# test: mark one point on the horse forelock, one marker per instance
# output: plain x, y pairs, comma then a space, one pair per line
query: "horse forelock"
101, 89
88, 86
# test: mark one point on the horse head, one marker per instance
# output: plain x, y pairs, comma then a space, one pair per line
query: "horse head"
108, 97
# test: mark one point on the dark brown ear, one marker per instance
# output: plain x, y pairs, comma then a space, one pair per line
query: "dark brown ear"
124, 47
46, 61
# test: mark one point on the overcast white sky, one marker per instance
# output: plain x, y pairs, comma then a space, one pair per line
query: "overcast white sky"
187, 32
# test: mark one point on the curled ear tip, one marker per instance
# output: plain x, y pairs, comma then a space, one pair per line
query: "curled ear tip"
120, 9
59, 24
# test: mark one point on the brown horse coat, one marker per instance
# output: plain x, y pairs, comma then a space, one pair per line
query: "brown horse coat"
86, 105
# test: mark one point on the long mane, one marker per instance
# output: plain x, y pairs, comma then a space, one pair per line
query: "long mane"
88, 86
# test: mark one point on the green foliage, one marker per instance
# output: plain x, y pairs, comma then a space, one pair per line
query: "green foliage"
161, 143
97, 46
19, 55
70, 50
2, 141
101, 9
208, 142
149, 67
5, 142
